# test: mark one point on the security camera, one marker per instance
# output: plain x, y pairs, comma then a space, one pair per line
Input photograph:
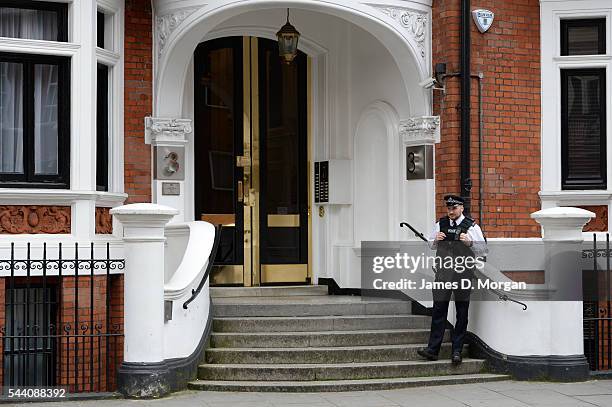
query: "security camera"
429, 83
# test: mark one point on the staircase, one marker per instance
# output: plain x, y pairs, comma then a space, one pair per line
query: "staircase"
299, 339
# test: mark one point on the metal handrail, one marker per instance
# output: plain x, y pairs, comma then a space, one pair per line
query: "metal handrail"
503, 297
211, 261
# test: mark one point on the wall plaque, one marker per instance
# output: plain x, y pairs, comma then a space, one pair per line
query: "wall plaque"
171, 188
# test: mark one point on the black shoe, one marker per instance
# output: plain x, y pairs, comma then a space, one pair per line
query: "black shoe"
427, 354
456, 358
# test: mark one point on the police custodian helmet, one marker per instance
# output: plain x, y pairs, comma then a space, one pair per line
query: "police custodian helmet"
452, 200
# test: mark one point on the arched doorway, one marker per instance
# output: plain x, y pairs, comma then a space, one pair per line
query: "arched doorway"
250, 166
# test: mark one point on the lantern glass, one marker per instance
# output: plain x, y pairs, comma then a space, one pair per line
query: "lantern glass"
288, 38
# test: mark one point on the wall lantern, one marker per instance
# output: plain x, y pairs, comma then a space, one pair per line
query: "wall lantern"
288, 38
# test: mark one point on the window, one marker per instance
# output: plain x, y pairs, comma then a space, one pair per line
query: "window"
583, 37
100, 29
33, 20
583, 128
34, 98
34, 120
102, 132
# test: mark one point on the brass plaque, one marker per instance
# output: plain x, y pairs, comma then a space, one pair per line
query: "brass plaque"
283, 221
284, 273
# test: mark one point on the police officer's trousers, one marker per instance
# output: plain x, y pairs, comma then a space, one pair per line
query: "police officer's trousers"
440, 313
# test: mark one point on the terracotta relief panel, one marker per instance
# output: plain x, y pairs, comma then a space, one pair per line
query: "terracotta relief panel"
600, 223
17, 219
104, 221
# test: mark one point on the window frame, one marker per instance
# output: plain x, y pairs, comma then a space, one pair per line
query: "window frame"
28, 179
600, 23
584, 184
103, 130
60, 8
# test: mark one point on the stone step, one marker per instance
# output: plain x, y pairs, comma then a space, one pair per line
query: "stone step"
307, 306
321, 338
298, 290
319, 323
337, 371
346, 354
343, 385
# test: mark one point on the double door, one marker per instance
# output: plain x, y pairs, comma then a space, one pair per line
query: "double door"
251, 159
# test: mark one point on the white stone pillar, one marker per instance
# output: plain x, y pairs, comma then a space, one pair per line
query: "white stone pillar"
562, 235
168, 136
143, 234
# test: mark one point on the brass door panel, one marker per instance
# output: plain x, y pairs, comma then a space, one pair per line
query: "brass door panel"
283, 221
226, 219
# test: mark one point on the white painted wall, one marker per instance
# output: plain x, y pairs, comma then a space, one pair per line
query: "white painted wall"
187, 255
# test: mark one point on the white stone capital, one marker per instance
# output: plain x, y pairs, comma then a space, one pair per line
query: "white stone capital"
420, 130
167, 132
562, 223
143, 221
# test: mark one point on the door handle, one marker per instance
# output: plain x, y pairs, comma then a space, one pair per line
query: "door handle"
240, 191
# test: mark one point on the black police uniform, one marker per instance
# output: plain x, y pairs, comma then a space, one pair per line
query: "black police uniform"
450, 246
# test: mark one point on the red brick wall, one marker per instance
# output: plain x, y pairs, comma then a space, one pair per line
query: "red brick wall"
78, 351
67, 360
508, 55
137, 98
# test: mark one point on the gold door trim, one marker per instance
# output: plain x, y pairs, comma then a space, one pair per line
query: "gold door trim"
255, 185
283, 221
226, 275
225, 219
309, 168
247, 117
283, 273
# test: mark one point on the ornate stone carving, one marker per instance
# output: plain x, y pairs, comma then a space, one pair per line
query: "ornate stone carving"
104, 221
166, 131
414, 23
424, 129
16, 219
166, 24
599, 223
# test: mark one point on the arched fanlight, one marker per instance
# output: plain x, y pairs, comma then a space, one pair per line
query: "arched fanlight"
288, 38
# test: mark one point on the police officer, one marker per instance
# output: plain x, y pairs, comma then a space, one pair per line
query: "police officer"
454, 235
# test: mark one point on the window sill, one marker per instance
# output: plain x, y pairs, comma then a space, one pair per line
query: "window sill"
582, 197
19, 196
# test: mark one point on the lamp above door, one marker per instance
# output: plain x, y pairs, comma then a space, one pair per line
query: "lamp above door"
288, 38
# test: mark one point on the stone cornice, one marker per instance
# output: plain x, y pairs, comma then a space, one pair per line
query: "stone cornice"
419, 130
166, 131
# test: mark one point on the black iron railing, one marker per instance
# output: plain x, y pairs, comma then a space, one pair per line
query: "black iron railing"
211, 261
62, 322
597, 318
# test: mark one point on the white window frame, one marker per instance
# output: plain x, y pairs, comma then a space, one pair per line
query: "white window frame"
81, 48
111, 56
552, 12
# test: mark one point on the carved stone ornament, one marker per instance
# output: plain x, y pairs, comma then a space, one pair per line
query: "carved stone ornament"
104, 221
166, 131
166, 24
598, 223
414, 23
16, 219
424, 129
